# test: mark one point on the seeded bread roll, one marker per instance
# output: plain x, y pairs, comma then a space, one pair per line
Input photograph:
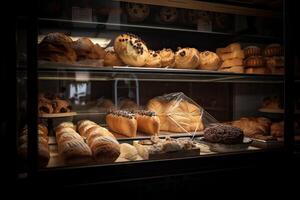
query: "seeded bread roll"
167, 58
187, 58
122, 122
131, 49
147, 122
209, 60
153, 60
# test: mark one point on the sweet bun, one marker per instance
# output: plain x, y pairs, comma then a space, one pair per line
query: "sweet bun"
147, 122
86, 49
154, 59
209, 60
131, 49
111, 58
167, 58
137, 12
187, 58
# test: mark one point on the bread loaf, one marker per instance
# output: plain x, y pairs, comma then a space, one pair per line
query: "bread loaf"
147, 122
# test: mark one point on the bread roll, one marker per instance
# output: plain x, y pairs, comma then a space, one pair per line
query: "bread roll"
67, 136
128, 152
111, 58
43, 128
231, 63
131, 49
230, 48
122, 122
147, 122
209, 61
82, 124
75, 151
235, 54
187, 58
176, 116
153, 60
86, 49
167, 58
105, 149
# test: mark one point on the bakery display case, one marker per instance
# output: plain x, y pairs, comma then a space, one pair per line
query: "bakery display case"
104, 86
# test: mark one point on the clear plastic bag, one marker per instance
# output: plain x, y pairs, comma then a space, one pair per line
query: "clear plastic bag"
180, 114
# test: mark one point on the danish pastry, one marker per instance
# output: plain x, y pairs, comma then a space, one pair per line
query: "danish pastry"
187, 58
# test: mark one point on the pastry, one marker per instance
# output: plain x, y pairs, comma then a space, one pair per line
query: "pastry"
112, 59
234, 69
97, 131
131, 49
228, 49
82, 123
105, 104
209, 60
147, 122
187, 58
105, 149
128, 104
153, 60
128, 151
122, 122
255, 61
67, 136
61, 131
168, 15
57, 38
61, 106
252, 51
176, 116
275, 61
224, 134
277, 129
137, 12
86, 49
44, 108
257, 70
253, 126
272, 103
84, 128
273, 50
43, 128
231, 63
65, 125
167, 58
232, 55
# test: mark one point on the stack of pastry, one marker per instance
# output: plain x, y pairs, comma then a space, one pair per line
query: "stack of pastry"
254, 62
105, 148
43, 147
274, 58
48, 104
71, 146
232, 57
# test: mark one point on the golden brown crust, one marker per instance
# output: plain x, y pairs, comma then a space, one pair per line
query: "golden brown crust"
167, 58
231, 63
86, 49
209, 60
252, 51
111, 58
255, 61
273, 50
148, 124
124, 125
154, 59
232, 55
187, 58
105, 149
228, 49
131, 49
61, 106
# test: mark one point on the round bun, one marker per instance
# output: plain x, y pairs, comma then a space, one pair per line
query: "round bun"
209, 60
167, 58
131, 49
252, 51
153, 60
137, 12
187, 58
112, 59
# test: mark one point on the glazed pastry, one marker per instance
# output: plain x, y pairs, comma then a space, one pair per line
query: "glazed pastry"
167, 58
122, 122
252, 51
147, 122
137, 12
187, 58
273, 50
234, 69
209, 60
257, 70
112, 59
176, 116
230, 48
224, 134
232, 55
255, 61
153, 60
61, 106
231, 63
131, 49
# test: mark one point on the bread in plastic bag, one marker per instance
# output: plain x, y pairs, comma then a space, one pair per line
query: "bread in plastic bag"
179, 114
